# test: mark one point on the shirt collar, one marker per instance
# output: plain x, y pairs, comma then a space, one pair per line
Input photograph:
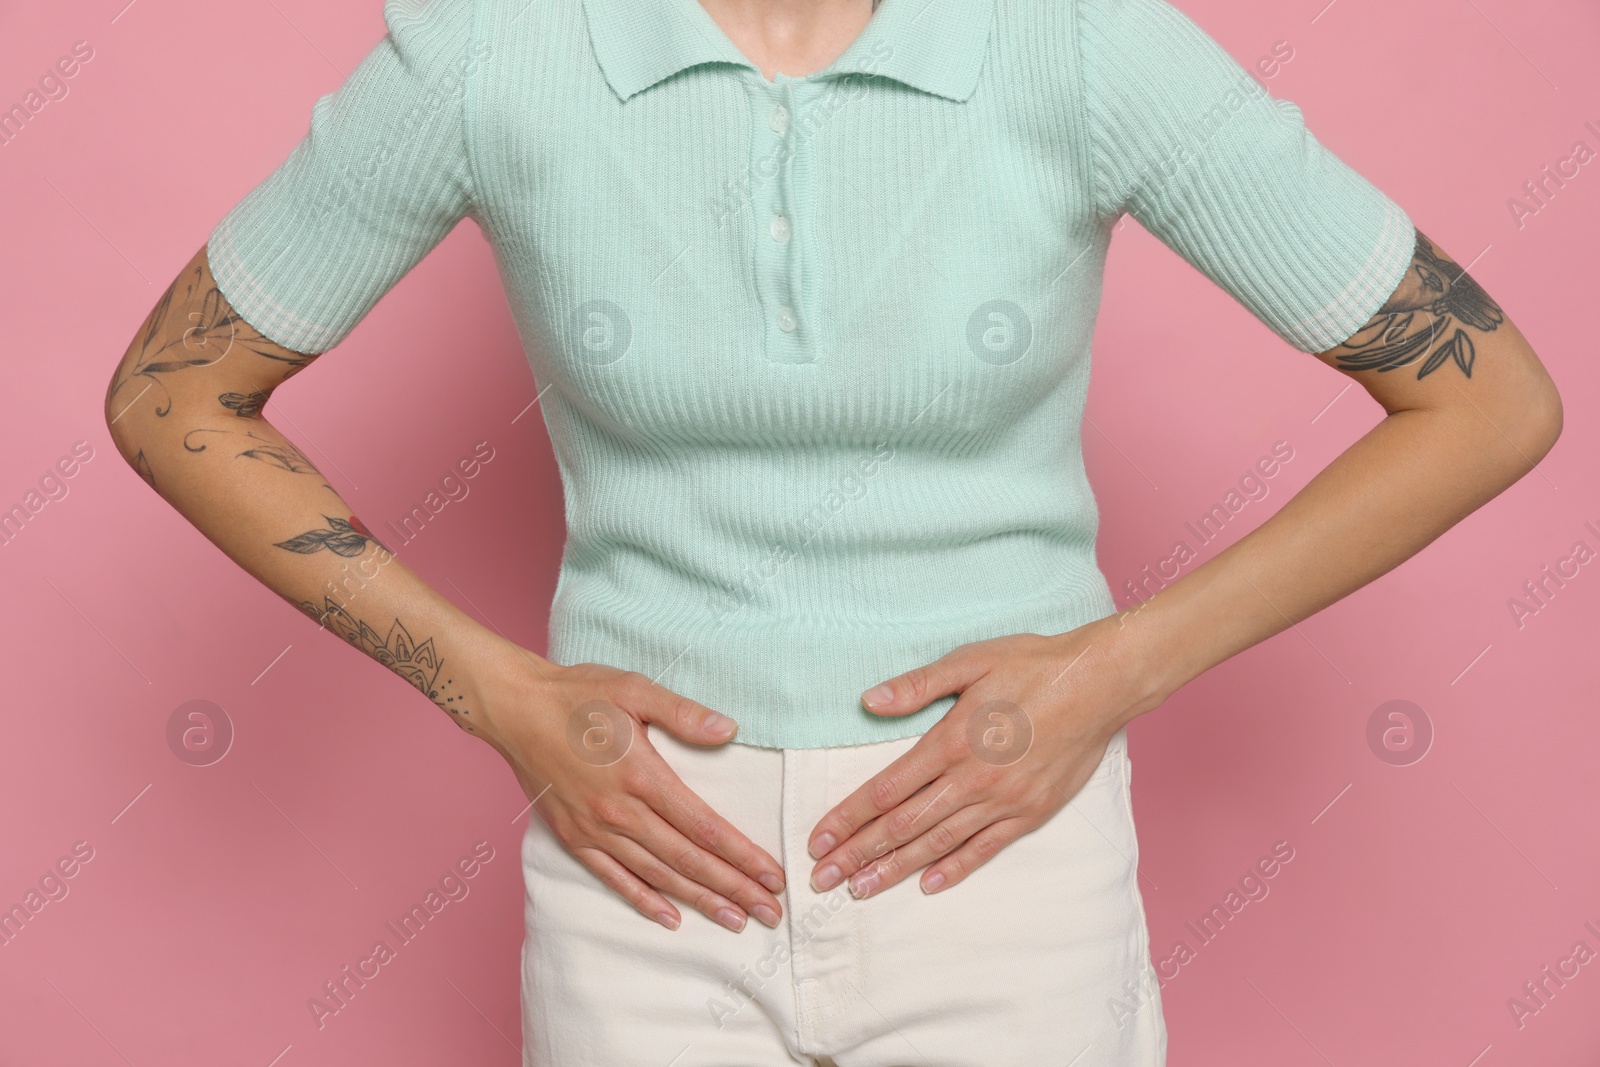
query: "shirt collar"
936, 46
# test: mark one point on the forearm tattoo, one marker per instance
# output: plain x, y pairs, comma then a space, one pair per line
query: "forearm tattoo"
172, 339
283, 456
416, 662
193, 325
1424, 319
343, 537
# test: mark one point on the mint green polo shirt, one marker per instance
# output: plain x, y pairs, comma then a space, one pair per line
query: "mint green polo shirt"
813, 352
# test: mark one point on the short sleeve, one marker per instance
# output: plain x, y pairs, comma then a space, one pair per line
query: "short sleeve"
379, 180
1185, 140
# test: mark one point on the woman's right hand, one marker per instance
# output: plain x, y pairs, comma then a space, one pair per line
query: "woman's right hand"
575, 737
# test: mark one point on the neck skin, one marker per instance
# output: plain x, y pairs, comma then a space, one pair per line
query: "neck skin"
792, 37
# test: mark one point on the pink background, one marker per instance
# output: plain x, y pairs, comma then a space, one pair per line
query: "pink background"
218, 899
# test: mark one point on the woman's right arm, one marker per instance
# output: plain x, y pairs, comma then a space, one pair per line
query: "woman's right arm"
186, 408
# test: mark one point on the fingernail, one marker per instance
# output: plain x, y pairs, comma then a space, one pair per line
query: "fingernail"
773, 883
878, 695
823, 846
765, 914
667, 919
864, 884
731, 919
825, 879
932, 883
719, 725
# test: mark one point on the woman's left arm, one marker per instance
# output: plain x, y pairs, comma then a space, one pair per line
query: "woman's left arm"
1470, 411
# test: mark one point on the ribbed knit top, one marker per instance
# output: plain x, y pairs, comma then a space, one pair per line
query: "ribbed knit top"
814, 352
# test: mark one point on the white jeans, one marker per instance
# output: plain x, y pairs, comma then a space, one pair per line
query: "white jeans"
1033, 961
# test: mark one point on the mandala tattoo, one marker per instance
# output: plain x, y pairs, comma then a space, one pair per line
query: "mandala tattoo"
417, 663
1423, 319
342, 537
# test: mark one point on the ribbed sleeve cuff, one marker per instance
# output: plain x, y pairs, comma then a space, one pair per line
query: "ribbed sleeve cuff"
1372, 286
252, 301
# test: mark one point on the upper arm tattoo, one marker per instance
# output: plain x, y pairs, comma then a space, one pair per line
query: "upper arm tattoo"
1424, 319
193, 325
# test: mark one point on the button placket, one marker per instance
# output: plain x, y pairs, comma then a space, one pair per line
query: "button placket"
787, 338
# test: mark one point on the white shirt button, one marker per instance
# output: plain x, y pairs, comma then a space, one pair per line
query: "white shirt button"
786, 319
779, 229
780, 118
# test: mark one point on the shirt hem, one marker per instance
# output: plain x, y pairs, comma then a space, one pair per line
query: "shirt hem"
801, 687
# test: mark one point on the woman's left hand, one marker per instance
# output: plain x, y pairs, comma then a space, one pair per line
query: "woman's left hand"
1031, 724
